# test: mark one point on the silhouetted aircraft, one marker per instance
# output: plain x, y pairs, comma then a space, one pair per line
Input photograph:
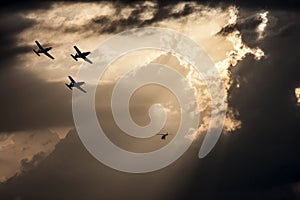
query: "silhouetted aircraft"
42, 50
75, 84
80, 54
163, 135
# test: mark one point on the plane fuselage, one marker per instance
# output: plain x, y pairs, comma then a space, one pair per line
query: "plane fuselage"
82, 55
43, 50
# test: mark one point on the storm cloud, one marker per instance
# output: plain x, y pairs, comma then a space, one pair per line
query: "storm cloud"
258, 161
28, 102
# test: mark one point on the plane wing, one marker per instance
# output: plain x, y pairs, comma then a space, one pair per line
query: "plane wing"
80, 83
47, 54
80, 88
166, 133
77, 50
88, 60
39, 45
71, 79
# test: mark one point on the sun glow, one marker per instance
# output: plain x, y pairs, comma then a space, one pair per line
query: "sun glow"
297, 94
225, 50
261, 27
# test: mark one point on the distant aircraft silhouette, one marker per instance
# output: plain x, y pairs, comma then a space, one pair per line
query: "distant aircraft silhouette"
75, 84
42, 50
163, 135
82, 55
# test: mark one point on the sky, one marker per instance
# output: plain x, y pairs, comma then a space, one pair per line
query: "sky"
253, 44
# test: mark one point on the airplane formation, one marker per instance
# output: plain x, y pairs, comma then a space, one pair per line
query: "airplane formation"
78, 54
73, 83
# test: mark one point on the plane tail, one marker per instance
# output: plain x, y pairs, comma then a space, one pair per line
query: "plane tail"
69, 86
74, 57
36, 52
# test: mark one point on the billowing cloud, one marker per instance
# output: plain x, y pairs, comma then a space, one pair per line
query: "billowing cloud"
91, 23
83, 21
21, 151
261, 27
259, 97
297, 94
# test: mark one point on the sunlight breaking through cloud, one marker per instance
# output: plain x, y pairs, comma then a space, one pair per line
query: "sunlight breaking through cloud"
261, 27
297, 94
233, 57
88, 28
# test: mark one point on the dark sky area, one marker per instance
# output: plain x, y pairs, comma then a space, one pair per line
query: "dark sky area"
258, 161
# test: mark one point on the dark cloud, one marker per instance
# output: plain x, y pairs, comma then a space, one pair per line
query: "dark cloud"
10, 6
257, 4
10, 26
241, 166
70, 172
28, 164
163, 10
115, 24
259, 161
111, 24
17, 5
12, 23
28, 102
244, 24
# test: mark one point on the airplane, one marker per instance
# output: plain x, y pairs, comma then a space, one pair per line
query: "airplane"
163, 135
42, 50
80, 54
75, 84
